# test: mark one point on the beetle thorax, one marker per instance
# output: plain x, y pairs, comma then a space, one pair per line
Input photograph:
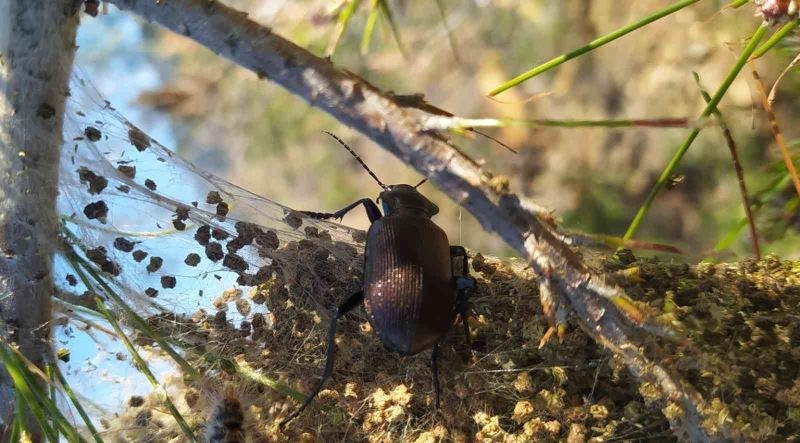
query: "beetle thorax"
405, 198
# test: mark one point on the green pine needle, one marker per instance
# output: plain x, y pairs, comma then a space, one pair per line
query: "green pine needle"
142, 366
711, 107
53, 368
594, 44
775, 38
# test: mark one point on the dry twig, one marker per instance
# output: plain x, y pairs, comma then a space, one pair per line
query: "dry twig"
776, 129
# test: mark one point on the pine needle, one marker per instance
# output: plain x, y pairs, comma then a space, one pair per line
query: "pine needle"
776, 130
710, 107
594, 44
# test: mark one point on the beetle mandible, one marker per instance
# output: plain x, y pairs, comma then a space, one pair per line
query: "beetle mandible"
414, 282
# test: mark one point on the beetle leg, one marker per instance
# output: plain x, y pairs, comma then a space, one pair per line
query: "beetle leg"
435, 373
459, 261
352, 302
372, 211
464, 285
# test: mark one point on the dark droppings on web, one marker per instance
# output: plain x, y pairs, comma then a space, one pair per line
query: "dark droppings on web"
181, 215
168, 281
127, 171
96, 210
192, 259
92, 133
235, 263
267, 239
235, 244
138, 139
155, 264
219, 234
96, 182
214, 251
182, 212
179, 225
99, 256
139, 255
293, 219
213, 198
203, 235
222, 210
246, 231
123, 244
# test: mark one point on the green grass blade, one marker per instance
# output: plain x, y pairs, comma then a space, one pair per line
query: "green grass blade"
26, 393
731, 236
450, 39
18, 428
594, 44
369, 27
758, 202
256, 376
29, 373
785, 30
738, 3
341, 24
387, 12
52, 387
53, 368
142, 366
710, 107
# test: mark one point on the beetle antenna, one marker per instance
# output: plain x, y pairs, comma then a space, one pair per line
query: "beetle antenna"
364, 165
420, 183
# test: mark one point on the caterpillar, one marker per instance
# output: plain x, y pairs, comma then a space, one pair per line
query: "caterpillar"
226, 424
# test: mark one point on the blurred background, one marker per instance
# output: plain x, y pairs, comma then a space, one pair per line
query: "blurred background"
256, 135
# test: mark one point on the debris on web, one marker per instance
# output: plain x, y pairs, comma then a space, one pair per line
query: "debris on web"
173, 241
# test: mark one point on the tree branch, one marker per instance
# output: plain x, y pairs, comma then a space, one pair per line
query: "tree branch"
397, 125
37, 44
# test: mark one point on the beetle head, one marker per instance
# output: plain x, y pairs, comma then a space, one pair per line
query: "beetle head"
395, 197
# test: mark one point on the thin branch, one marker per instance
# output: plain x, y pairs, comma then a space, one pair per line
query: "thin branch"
773, 93
603, 308
776, 129
737, 166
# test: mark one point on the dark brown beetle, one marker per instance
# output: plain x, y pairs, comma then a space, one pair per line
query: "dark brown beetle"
415, 283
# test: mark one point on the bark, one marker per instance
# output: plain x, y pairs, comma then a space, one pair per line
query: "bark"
37, 45
398, 124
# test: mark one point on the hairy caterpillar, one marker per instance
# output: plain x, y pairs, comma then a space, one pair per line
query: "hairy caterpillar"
226, 424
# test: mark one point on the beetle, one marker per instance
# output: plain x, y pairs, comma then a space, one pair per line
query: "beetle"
414, 284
